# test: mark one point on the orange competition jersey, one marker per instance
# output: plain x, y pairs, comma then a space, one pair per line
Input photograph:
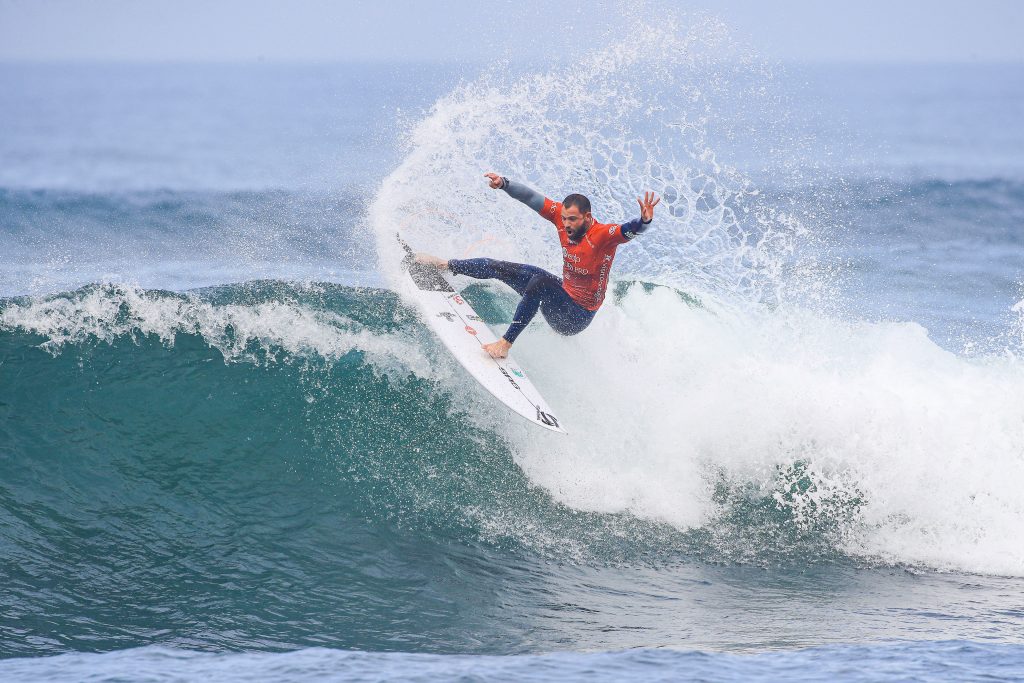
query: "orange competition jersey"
586, 265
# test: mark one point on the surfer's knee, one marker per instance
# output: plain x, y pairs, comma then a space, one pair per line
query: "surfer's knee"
566, 320
539, 283
534, 284
561, 326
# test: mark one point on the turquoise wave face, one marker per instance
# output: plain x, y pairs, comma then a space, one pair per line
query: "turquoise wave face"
274, 466
150, 488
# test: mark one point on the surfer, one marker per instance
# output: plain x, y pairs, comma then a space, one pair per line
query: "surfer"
568, 303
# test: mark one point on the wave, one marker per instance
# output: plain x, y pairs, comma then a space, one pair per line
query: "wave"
174, 466
316, 346
705, 435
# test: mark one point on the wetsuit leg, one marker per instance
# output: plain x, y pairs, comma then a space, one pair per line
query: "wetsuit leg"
515, 275
564, 315
544, 291
539, 289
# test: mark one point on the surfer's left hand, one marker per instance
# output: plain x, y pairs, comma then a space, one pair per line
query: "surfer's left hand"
647, 205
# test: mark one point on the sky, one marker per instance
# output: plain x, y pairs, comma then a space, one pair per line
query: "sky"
461, 30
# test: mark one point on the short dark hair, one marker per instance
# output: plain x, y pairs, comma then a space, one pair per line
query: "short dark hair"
577, 200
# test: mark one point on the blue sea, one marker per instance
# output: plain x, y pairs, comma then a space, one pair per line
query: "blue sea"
231, 450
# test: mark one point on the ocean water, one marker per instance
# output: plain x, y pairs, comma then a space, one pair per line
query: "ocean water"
230, 450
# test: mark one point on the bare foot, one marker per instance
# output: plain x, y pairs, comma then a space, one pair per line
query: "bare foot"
498, 349
428, 260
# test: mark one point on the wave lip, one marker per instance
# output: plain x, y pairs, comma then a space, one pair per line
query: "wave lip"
107, 312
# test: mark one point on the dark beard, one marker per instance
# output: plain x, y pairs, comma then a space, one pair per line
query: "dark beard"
577, 240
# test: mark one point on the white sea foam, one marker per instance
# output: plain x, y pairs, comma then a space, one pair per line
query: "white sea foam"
239, 331
625, 119
663, 398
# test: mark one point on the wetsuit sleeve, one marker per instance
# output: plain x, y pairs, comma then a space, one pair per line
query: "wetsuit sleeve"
628, 231
527, 195
552, 211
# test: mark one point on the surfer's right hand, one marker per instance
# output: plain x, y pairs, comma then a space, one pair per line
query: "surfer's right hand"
498, 349
497, 182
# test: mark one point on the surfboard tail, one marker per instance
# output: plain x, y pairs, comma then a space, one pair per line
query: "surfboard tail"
426, 278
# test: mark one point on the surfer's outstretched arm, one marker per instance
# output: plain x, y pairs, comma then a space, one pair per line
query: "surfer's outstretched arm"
527, 195
636, 226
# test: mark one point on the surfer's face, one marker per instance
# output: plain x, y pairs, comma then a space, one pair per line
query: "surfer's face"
576, 223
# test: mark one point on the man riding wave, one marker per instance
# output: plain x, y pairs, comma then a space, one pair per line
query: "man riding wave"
568, 303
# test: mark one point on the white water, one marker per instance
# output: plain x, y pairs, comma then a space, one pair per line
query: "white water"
663, 398
105, 313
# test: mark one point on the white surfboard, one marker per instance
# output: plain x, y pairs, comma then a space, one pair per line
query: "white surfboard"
464, 333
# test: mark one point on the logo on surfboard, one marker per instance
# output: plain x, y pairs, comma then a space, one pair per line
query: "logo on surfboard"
509, 378
546, 418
